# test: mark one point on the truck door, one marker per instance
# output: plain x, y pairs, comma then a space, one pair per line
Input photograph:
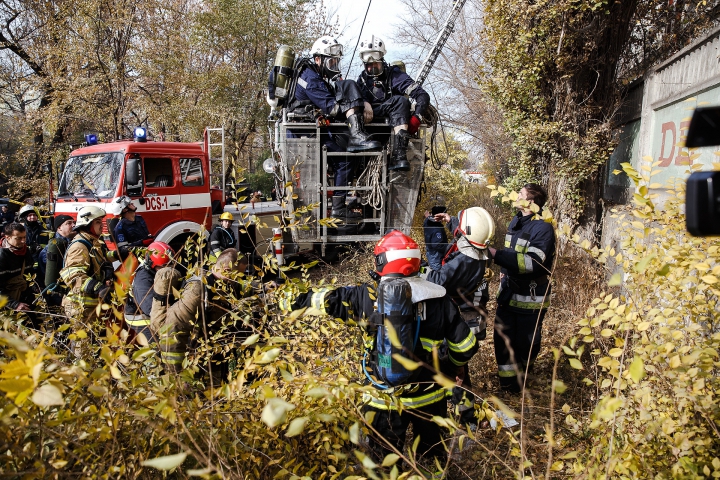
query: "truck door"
158, 196
195, 191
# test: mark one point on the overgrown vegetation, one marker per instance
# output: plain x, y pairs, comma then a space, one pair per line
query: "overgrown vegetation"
557, 70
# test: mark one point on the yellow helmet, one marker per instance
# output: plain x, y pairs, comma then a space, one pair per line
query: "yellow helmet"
227, 216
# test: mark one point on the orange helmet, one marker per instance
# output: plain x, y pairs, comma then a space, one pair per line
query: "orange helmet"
159, 254
397, 254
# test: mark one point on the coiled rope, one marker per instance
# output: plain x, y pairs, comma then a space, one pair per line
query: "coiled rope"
370, 177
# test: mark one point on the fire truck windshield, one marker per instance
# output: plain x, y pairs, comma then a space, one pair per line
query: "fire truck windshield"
95, 175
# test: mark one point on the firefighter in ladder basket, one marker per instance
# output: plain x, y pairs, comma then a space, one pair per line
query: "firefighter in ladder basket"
387, 88
319, 84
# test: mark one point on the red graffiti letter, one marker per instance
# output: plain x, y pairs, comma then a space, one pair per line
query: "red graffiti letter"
665, 161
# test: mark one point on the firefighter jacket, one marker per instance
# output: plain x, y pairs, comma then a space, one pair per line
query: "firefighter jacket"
333, 100
221, 239
176, 322
88, 265
138, 305
442, 322
14, 263
51, 260
526, 263
462, 272
392, 82
37, 238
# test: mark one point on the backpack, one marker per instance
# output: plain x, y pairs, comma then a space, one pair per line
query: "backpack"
394, 307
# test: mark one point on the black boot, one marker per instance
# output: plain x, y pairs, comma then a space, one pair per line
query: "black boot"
399, 161
359, 140
340, 210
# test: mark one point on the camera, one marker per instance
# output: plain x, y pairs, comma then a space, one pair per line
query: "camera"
702, 199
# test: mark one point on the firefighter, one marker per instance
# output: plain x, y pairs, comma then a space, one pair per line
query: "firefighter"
6, 216
88, 271
222, 236
397, 256
340, 100
524, 294
131, 230
138, 305
37, 236
115, 208
387, 88
436, 241
179, 325
15, 261
51, 258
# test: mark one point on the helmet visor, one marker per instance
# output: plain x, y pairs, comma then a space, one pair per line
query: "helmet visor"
332, 64
371, 56
374, 68
334, 50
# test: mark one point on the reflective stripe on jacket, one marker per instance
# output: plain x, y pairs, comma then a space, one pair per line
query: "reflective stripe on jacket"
526, 261
442, 321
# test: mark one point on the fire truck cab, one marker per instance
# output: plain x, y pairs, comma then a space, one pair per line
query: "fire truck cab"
169, 183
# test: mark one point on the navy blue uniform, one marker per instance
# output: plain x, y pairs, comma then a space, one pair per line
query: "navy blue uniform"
436, 242
442, 322
387, 94
334, 101
524, 295
7, 217
132, 234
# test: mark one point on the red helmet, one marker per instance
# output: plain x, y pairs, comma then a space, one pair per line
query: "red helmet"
398, 254
159, 254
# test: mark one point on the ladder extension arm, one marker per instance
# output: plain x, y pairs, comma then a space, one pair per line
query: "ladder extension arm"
440, 41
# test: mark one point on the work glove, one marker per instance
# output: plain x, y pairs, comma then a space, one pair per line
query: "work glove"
478, 327
123, 252
414, 124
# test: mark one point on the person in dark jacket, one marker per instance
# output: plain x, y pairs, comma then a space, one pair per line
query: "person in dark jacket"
138, 305
436, 240
131, 230
397, 255
524, 295
52, 256
222, 236
15, 261
37, 236
6, 216
319, 84
387, 88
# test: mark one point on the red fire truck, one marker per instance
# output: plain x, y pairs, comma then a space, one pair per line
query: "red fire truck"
174, 185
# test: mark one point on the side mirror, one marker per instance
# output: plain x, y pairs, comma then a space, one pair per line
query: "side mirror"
704, 129
132, 171
702, 198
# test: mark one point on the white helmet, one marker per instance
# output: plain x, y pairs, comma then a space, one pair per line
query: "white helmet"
372, 53
25, 210
118, 204
87, 214
331, 51
476, 225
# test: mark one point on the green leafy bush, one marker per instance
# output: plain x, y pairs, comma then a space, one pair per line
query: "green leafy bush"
653, 349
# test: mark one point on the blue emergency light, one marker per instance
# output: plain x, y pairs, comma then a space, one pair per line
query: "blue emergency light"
140, 134
91, 139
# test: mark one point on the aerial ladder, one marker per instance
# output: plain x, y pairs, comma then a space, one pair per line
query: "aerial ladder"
440, 41
302, 177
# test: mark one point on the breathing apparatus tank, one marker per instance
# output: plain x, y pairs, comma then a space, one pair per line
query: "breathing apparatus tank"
282, 75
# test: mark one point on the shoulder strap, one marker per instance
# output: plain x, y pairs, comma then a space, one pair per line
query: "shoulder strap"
87, 244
